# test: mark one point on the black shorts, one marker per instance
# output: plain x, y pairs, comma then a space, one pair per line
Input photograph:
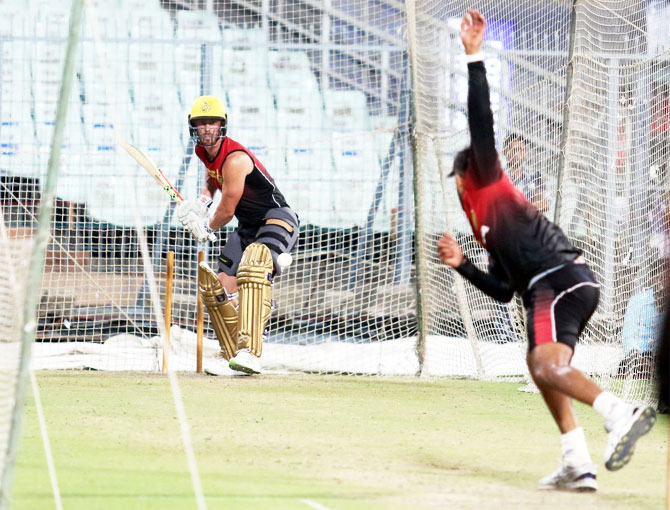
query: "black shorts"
273, 235
559, 305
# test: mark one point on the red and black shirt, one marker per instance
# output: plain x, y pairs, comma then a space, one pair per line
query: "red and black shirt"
520, 240
260, 192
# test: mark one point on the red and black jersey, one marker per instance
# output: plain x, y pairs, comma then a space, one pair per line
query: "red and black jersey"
260, 192
520, 240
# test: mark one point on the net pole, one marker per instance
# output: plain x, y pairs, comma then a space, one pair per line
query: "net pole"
200, 318
608, 270
169, 277
569, 78
420, 346
34, 276
638, 177
403, 266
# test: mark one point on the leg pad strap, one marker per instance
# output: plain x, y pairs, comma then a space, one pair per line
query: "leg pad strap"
254, 279
222, 313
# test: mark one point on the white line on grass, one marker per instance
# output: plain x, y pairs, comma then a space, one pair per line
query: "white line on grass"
314, 504
45, 441
150, 276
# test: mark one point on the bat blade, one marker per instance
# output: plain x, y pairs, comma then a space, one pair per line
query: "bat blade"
152, 168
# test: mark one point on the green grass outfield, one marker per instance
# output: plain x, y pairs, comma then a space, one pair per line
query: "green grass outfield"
320, 442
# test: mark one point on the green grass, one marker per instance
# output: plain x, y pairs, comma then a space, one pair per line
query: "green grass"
346, 443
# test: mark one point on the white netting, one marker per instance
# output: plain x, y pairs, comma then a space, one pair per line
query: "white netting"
320, 91
14, 256
611, 195
316, 96
526, 55
618, 210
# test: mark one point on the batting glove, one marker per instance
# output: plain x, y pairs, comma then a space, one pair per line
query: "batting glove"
199, 229
190, 208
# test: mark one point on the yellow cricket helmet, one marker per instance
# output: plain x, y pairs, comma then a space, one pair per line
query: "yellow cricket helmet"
207, 107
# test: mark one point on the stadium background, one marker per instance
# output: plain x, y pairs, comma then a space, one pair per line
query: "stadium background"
356, 108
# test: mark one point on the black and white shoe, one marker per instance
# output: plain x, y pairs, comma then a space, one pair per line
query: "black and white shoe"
624, 433
570, 476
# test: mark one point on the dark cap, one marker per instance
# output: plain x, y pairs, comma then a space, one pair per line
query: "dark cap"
461, 162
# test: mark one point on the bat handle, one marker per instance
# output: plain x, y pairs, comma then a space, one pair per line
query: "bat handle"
212, 238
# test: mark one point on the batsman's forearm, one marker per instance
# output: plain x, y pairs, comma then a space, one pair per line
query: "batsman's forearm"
218, 220
486, 282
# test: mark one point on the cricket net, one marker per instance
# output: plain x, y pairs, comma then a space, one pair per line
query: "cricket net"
14, 257
576, 88
325, 94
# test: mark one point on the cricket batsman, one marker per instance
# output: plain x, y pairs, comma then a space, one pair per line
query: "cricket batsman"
238, 295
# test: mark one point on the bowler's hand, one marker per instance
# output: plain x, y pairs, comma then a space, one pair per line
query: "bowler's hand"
449, 251
473, 27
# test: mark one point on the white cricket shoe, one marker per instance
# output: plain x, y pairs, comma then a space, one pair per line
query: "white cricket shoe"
624, 433
246, 362
579, 477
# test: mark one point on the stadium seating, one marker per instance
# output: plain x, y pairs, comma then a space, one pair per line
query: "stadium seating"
108, 24
244, 38
120, 191
17, 143
45, 116
251, 108
346, 110
146, 23
273, 99
291, 70
357, 172
196, 63
355, 157
302, 110
158, 106
15, 79
102, 105
198, 25
151, 75
52, 21
15, 20
314, 203
47, 63
244, 68
155, 133
136, 5
308, 159
264, 143
384, 127
41, 5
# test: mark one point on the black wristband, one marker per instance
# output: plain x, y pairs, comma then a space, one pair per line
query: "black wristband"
466, 268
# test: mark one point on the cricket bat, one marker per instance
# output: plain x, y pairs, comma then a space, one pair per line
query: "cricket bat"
150, 166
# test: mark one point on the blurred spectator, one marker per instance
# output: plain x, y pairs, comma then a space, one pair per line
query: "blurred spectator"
663, 361
659, 223
659, 146
642, 325
527, 180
